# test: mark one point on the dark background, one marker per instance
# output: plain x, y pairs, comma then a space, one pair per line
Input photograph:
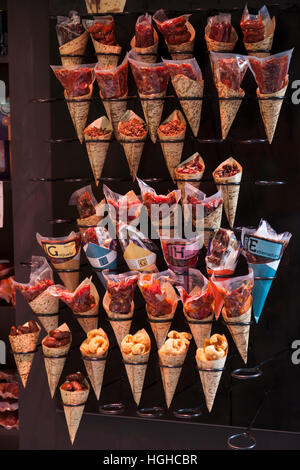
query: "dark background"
36, 204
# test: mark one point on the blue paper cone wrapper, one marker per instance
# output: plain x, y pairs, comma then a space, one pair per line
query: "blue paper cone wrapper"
101, 257
262, 286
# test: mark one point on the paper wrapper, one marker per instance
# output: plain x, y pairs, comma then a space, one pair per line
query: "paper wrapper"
111, 54
115, 111
212, 221
54, 364
185, 87
192, 178
230, 193
75, 47
210, 380
88, 324
97, 151
170, 376
133, 151
21, 344
79, 110
45, 304
228, 108
161, 329
264, 45
187, 47
136, 373
218, 46
100, 257
153, 109
95, 367
172, 150
105, 6
73, 414
270, 109
239, 333
121, 328
143, 51
200, 329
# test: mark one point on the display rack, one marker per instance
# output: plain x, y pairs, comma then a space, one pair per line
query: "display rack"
38, 158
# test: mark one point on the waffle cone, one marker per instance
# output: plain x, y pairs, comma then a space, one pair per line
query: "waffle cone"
105, 6
153, 111
133, 151
210, 380
170, 377
54, 365
213, 221
218, 46
172, 150
88, 324
70, 280
114, 111
230, 194
97, 151
73, 415
24, 343
121, 328
193, 178
136, 373
143, 51
264, 45
200, 331
270, 109
43, 304
109, 59
240, 333
185, 87
228, 108
79, 110
75, 47
187, 47
95, 370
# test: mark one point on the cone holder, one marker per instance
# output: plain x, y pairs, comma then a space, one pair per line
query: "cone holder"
188, 413
246, 373
112, 409
151, 412
232, 441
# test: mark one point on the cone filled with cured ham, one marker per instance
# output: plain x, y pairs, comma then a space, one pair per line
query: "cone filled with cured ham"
145, 41
55, 349
105, 6
220, 35
258, 32
88, 208
97, 136
172, 355
74, 394
190, 170
133, 132
72, 38
135, 351
123, 208
94, 350
222, 254
23, 340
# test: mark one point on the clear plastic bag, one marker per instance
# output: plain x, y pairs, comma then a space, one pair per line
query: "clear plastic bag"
219, 27
79, 301
187, 67
76, 79
149, 78
150, 197
222, 253
196, 295
122, 208
255, 27
112, 83
68, 27
180, 253
120, 288
139, 252
144, 33
174, 30
101, 29
160, 297
229, 69
41, 278
85, 201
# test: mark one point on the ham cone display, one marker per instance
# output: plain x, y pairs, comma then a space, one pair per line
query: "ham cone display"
55, 349
135, 351
74, 393
258, 31
72, 39
227, 177
161, 302
172, 355
197, 299
145, 41
211, 360
171, 134
118, 301
77, 81
133, 132
94, 350
23, 340
37, 295
151, 81
229, 71
263, 249
64, 254
97, 136
178, 33
236, 296
271, 75
220, 35
102, 32
187, 82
